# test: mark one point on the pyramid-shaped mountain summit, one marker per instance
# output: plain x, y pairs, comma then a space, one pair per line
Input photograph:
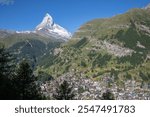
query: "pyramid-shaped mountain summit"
50, 29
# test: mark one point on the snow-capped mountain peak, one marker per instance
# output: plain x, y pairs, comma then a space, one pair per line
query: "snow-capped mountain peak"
46, 23
48, 28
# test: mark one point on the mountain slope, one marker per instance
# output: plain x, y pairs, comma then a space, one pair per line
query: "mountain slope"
31, 46
117, 46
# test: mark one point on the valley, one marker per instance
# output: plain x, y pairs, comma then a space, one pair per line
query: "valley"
103, 54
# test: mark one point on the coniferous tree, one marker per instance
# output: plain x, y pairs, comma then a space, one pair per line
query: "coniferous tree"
64, 92
25, 83
6, 74
6, 63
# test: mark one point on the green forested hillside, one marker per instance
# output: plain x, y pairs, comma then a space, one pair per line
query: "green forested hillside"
117, 46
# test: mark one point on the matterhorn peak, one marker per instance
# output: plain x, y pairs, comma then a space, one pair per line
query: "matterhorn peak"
48, 28
46, 23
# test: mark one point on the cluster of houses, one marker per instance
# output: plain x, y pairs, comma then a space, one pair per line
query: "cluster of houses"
90, 89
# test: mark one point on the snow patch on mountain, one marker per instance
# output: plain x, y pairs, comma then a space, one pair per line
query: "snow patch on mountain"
25, 32
147, 7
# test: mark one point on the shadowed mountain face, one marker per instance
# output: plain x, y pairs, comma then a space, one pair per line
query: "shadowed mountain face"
118, 47
30, 46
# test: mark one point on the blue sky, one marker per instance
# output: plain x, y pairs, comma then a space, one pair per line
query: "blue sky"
71, 14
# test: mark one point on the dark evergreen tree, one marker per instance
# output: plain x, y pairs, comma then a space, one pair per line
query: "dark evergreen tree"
6, 74
25, 83
64, 92
108, 95
5, 63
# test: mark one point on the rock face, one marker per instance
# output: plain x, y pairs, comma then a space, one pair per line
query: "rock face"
48, 28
